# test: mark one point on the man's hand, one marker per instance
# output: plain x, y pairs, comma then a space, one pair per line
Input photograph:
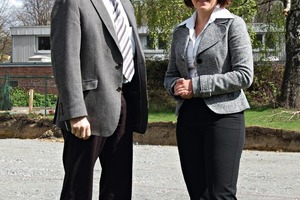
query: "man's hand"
184, 88
80, 127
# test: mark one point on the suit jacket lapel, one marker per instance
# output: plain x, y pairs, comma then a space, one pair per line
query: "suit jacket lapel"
104, 16
213, 33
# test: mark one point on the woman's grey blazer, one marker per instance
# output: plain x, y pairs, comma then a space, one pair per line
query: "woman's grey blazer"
224, 64
87, 66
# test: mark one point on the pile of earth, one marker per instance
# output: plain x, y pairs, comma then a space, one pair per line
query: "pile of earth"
161, 133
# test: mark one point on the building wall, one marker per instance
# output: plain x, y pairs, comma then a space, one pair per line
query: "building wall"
25, 41
25, 44
23, 48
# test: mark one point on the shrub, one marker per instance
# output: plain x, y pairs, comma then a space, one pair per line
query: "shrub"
20, 97
159, 99
266, 84
263, 92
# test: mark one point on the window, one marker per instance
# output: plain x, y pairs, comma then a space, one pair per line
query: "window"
258, 41
259, 37
161, 43
143, 39
150, 42
43, 44
270, 40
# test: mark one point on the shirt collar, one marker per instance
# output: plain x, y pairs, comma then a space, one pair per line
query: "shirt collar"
218, 13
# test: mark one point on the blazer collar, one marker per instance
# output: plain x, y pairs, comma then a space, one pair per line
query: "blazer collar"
212, 34
104, 16
216, 27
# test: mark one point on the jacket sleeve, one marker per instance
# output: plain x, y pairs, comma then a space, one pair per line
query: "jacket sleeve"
65, 50
172, 73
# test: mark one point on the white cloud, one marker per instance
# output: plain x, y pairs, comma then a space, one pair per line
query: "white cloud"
16, 3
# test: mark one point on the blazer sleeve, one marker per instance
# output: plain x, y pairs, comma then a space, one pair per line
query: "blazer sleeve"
173, 74
65, 50
241, 61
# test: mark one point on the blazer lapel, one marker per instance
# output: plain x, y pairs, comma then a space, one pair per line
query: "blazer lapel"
184, 70
103, 14
181, 48
213, 33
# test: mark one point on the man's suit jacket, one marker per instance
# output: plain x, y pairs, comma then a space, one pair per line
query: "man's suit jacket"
224, 64
87, 66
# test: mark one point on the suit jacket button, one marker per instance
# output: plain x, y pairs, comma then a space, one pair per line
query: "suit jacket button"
199, 60
119, 89
118, 66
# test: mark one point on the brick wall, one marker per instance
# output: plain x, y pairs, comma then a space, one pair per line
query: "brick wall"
30, 76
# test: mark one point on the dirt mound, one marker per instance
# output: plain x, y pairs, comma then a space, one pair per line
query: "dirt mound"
272, 139
26, 127
160, 133
257, 138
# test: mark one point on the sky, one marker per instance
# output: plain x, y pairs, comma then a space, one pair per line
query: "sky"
17, 3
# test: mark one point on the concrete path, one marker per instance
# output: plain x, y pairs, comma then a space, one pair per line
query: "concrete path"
32, 170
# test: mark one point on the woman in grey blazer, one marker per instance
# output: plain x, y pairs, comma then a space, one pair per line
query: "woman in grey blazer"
210, 65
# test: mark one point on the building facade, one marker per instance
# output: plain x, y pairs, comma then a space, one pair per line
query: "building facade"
32, 44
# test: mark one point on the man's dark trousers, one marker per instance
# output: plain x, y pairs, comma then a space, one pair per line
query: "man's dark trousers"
115, 154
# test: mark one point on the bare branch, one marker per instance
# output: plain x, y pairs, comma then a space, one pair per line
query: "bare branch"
292, 113
295, 114
35, 12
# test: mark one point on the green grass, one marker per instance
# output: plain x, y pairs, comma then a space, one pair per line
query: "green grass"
162, 117
273, 118
263, 117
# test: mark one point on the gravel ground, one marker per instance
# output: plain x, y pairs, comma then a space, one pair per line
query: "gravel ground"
32, 170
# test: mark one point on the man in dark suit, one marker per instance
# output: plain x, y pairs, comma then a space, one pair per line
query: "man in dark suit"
99, 106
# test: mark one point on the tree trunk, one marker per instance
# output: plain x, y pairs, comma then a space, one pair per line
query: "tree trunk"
290, 89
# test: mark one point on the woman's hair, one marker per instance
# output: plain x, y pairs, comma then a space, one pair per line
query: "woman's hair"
222, 3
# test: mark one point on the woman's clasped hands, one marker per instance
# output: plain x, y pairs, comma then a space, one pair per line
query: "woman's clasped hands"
184, 88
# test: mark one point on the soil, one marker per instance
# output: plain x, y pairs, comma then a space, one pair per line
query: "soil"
26, 127
161, 133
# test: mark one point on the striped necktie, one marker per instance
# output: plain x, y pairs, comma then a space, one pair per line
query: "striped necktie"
124, 41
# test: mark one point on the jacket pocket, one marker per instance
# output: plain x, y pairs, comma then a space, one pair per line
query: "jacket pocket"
89, 84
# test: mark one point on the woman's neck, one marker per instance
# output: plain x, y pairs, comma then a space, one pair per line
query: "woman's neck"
201, 20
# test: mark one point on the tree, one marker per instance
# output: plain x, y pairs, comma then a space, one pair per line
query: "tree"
5, 39
35, 12
162, 16
290, 90
271, 19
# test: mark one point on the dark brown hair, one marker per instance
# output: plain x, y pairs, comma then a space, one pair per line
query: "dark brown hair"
222, 3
